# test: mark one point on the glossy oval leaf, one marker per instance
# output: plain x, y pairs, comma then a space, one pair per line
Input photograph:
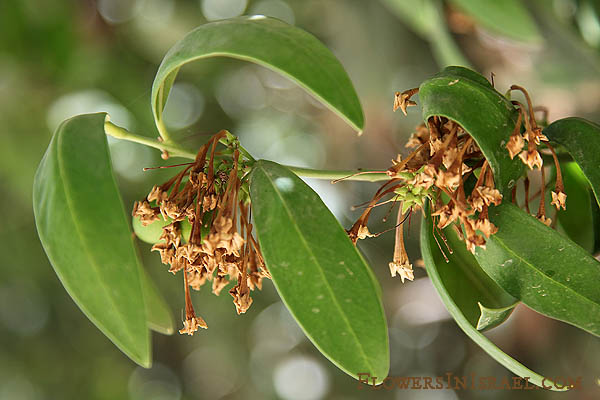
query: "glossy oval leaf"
577, 221
441, 275
82, 225
467, 98
274, 44
581, 138
547, 272
319, 274
509, 18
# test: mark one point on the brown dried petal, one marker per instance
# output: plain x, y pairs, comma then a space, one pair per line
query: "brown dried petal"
475, 241
167, 252
241, 298
448, 179
402, 101
196, 278
189, 252
255, 280
485, 227
157, 194
405, 270
209, 202
489, 195
531, 158
192, 324
448, 214
363, 232
544, 220
515, 145
559, 200
219, 283
171, 210
171, 234
538, 136
434, 146
476, 201
449, 157
145, 212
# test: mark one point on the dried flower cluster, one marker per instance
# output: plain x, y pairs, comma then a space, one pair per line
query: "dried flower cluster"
436, 170
445, 157
531, 157
207, 194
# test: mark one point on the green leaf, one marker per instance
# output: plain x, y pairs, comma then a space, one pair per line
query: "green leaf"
465, 279
269, 42
84, 230
509, 18
442, 275
467, 98
319, 274
492, 317
158, 314
547, 272
581, 138
159, 317
578, 221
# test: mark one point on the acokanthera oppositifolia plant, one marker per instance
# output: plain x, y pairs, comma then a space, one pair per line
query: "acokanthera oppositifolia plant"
225, 219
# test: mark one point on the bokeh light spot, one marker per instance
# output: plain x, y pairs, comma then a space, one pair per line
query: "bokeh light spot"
222, 9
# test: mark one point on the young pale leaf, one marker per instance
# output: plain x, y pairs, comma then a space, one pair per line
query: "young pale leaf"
271, 43
578, 221
82, 225
319, 274
467, 98
442, 275
491, 317
508, 18
547, 272
581, 138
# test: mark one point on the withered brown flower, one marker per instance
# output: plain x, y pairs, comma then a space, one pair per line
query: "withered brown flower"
220, 247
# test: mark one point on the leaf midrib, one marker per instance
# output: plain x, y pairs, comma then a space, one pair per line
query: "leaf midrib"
85, 246
320, 268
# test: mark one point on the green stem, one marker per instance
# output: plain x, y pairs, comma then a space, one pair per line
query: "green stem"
162, 131
349, 175
173, 149
176, 150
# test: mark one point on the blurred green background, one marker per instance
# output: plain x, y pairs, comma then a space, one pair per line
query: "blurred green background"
59, 58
